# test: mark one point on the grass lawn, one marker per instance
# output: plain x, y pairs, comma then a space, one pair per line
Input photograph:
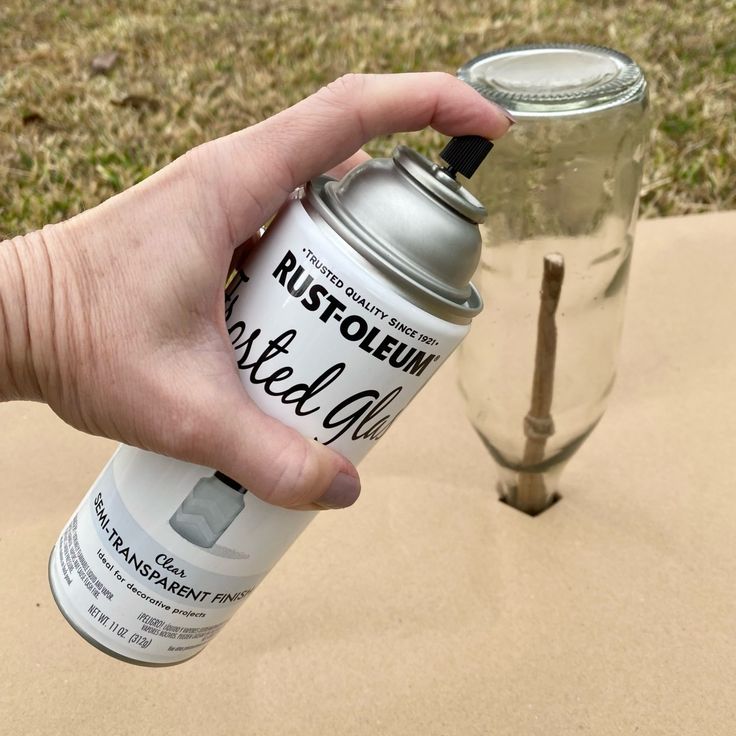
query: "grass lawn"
190, 70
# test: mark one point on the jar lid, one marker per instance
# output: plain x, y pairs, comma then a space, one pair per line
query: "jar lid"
555, 79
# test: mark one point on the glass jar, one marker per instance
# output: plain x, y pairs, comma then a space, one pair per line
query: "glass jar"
562, 189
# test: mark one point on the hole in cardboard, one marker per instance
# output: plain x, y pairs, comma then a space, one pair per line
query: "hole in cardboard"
552, 501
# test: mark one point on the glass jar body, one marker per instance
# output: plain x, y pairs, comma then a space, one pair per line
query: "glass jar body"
557, 184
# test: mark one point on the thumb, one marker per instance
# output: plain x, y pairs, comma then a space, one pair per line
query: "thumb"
226, 431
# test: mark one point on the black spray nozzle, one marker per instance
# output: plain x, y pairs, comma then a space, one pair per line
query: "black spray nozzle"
464, 154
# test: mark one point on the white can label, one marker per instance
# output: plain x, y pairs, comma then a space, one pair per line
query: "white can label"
160, 553
325, 347
137, 594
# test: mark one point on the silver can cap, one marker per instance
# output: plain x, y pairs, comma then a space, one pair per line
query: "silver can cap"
555, 79
414, 222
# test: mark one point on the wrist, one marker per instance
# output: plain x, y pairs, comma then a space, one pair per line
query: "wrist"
26, 317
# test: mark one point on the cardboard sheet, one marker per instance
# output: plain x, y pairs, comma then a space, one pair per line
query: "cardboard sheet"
429, 607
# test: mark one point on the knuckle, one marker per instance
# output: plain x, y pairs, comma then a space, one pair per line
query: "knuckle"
345, 95
343, 89
297, 474
445, 77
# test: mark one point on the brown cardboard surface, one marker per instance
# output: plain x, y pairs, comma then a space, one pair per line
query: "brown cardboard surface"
429, 607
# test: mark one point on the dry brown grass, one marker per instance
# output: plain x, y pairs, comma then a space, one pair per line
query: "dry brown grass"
189, 70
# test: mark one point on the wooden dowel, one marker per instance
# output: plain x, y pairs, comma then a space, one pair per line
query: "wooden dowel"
531, 494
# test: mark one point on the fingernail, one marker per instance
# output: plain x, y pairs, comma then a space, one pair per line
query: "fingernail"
343, 491
512, 120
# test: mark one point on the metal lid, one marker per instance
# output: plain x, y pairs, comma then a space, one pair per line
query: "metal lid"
412, 221
555, 79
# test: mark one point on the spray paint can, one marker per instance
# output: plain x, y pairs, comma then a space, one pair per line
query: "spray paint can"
358, 291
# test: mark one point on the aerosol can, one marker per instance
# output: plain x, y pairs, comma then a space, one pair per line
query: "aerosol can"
356, 294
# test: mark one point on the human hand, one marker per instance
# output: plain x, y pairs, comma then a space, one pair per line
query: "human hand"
115, 318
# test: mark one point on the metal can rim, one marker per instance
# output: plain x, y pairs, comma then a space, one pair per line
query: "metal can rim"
423, 296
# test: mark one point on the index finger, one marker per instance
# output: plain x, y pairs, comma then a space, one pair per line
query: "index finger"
256, 168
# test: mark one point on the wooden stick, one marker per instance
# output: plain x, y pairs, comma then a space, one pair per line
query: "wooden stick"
531, 493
